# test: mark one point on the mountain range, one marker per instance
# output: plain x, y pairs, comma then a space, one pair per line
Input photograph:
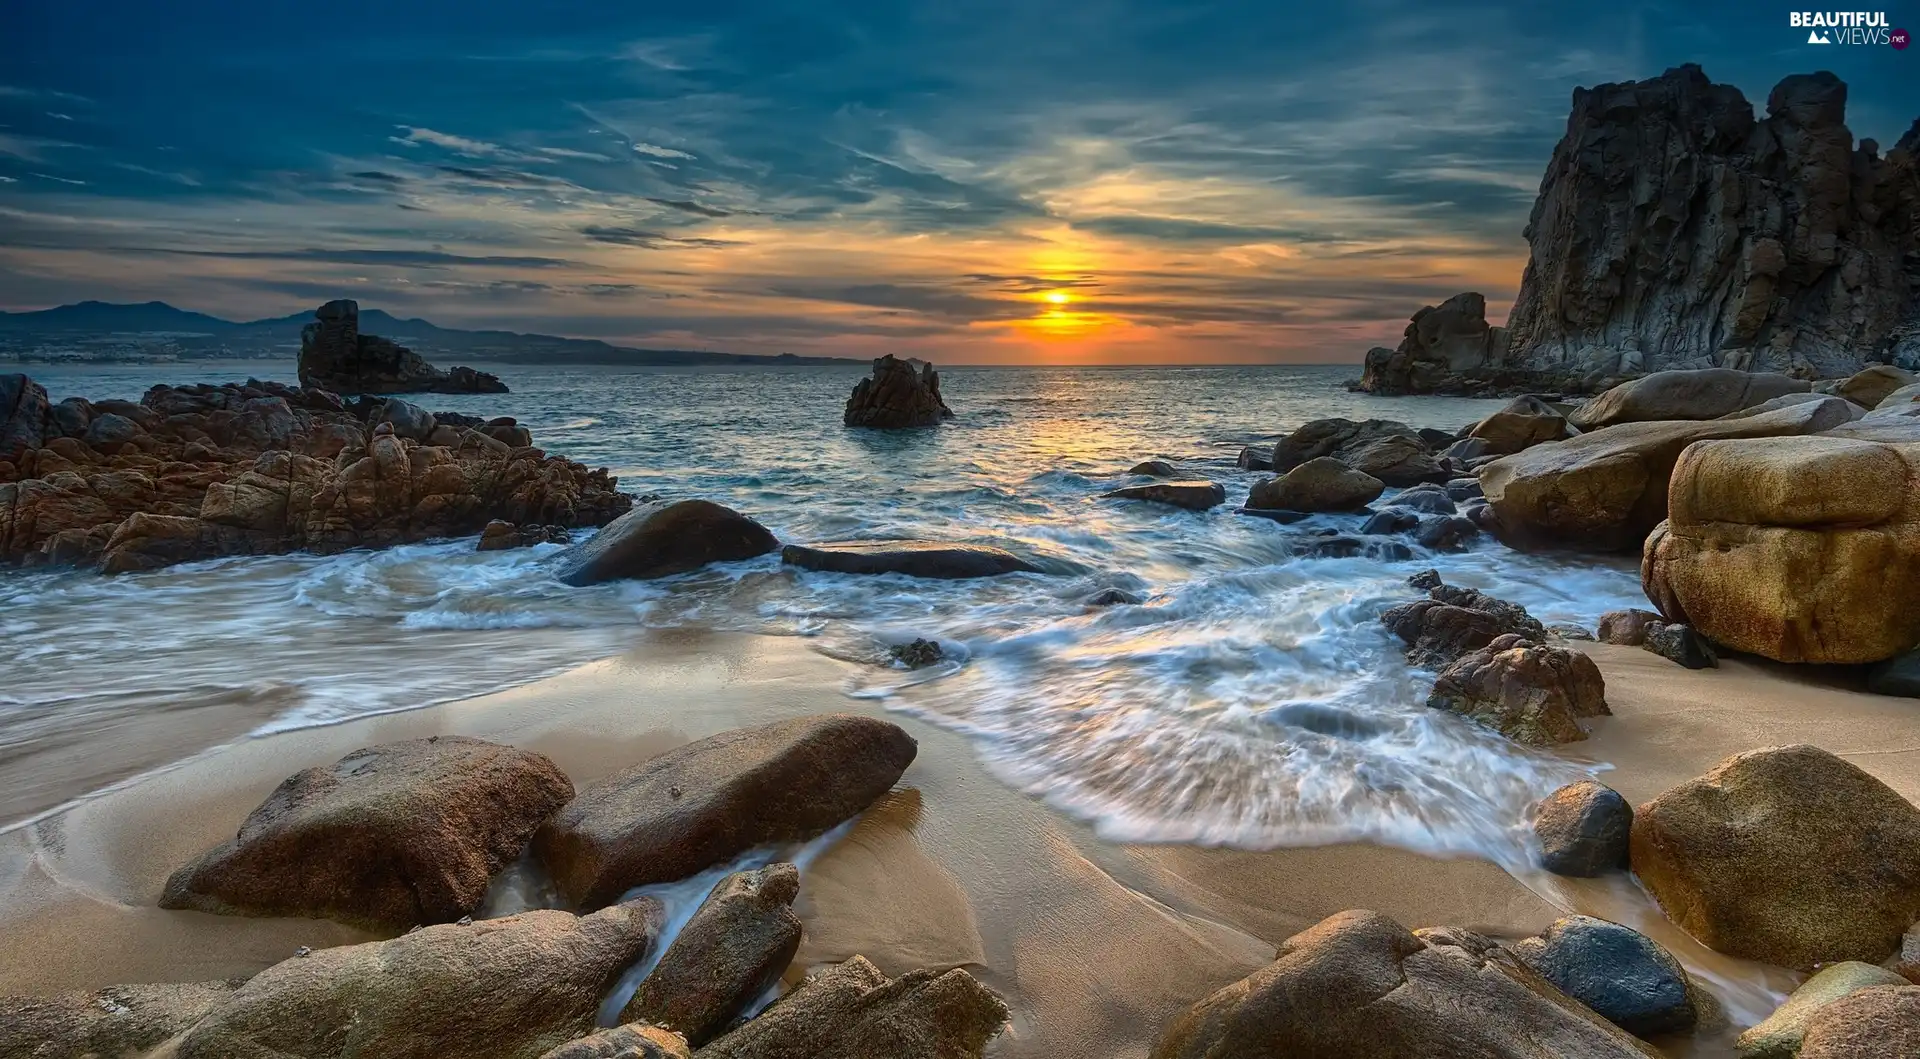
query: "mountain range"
192, 334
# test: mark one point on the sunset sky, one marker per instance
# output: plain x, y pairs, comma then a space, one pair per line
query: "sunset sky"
1110, 180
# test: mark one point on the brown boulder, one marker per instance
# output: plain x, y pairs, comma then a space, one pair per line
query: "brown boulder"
736, 946
390, 836
1528, 692
1359, 986
703, 803
852, 1011
1393, 452
899, 394
625, 1042
1627, 628
1878, 1023
1453, 621
118, 1022
1703, 393
1873, 384
1522, 424
1194, 495
1781, 1034
1320, 484
662, 538
946, 560
1787, 855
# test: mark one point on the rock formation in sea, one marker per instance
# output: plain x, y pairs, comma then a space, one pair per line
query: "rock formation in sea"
899, 394
1675, 229
335, 356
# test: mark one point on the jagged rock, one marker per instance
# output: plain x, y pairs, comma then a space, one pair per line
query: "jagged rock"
701, 804
1786, 855
500, 535
1113, 597
23, 417
1454, 621
1445, 533
662, 538
390, 836
1447, 348
508, 988
1875, 383
1255, 458
1583, 829
1627, 628
1703, 393
1525, 422
736, 946
1783, 1033
1194, 495
1155, 469
1801, 550
937, 559
1392, 452
335, 356
1429, 499
852, 1011
1321, 484
1870, 1024
625, 1042
1359, 986
1681, 645
1391, 520
900, 393
1528, 692
1465, 489
1607, 489
119, 1021
1623, 975
1673, 230
916, 655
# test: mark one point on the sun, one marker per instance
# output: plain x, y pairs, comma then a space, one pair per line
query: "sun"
1058, 297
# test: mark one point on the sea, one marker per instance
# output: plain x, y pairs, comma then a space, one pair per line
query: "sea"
1251, 700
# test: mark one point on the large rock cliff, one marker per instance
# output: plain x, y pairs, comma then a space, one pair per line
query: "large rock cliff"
335, 356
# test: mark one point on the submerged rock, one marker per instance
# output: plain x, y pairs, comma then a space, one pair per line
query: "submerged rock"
335, 356
24, 415
389, 837
1781, 1035
1195, 495
1321, 484
1623, 975
917, 655
1113, 597
663, 538
1528, 692
735, 948
899, 394
125, 1020
1155, 469
852, 1011
1583, 830
936, 559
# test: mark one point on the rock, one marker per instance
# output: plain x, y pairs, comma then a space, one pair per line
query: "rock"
500, 535
1465, 489
1899, 675
708, 801
1627, 628
736, 947
936, 559
1566, 630
1447, 348
1467, 449
1391, 520
665, 538
1454, 621
1523, 423
1332, 544
625, 1042
1528, 692
1704, 393
1359, 986
23, 417
335, 356
1787, 855
408, 420
1607, 489
496, 989
1255, 458
1394, 453
1794, 257
1431, 499
1788, 400
389, 836
1906, 962
1623, 975
1801, 550
1780, 1036
1680, 645
1155, 469
1875, 383
1320, 484
1113, 597
917, 655
1425, 580
1445, 533
1583, 829
852, 1011
1868, 1024
900, 393
1194, 495
119, 1021
112, 429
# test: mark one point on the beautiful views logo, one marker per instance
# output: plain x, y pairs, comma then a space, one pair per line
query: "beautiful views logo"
1848, 27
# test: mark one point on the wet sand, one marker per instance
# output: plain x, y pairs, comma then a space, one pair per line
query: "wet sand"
1094, 945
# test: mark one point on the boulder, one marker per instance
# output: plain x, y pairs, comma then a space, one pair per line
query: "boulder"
1114, 597
1583, 829
1782, 1034
1875, 383
1704, 393
1623, 975
735, 948
899, 394
1626, 628
1869, 1024
1392, 452
112, 1023
501, 535
1429, 499
918, 654
852, 1011
511, 988
1523, 423
1528, 692
24, 415
388, 837
1445, 533
664, 538
1681, 645
1465, 489
1454, 621
1899, 675
1607, 489
625, 1042
1787, 855
335, 356
1799, 550
1359, 986
1447, 348
1788, 400
1467, 450
1155, 469
407, 419
1391, 520
1192, 494
708, 801
111, 429
936, 559
1320, 484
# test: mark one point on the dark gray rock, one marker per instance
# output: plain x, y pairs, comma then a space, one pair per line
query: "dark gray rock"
1681, 645
1428, 499
1446, 533
1464, 489
900, 394
1155, 469
1426, 580
409, 420
1193, 495
112, 430
1899, 675
1112, 597
662, 538
1623, 975
335, 356
936, 559
1390, 521
1583, 829
70, 418
917, 655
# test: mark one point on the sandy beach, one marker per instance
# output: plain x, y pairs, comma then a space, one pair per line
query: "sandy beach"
1094, 945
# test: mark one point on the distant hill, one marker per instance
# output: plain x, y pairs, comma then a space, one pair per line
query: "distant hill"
192, 334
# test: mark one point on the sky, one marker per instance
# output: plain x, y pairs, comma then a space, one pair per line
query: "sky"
974, 181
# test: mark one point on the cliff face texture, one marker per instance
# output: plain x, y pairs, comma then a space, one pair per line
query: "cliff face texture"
1676, 230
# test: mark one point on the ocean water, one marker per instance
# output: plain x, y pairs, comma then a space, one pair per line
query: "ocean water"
1253, 699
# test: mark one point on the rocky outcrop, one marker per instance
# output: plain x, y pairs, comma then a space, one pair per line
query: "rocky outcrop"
1192, 494
1451, 349
25, 416
501, 535
736, 946
1454, 621
945, 560
853, 1011
1526, 691
899, 394
335, 356
388, 837
263, 468
1787, 855
1360, 986
1704, 393
1782, 1034
1525, 422
1583, 829
1320, 484
126, 1020
701, 804
663, 538
1674, 230
1393, 452
1626, 628
1869, 1024
1623, 975
1800, 550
